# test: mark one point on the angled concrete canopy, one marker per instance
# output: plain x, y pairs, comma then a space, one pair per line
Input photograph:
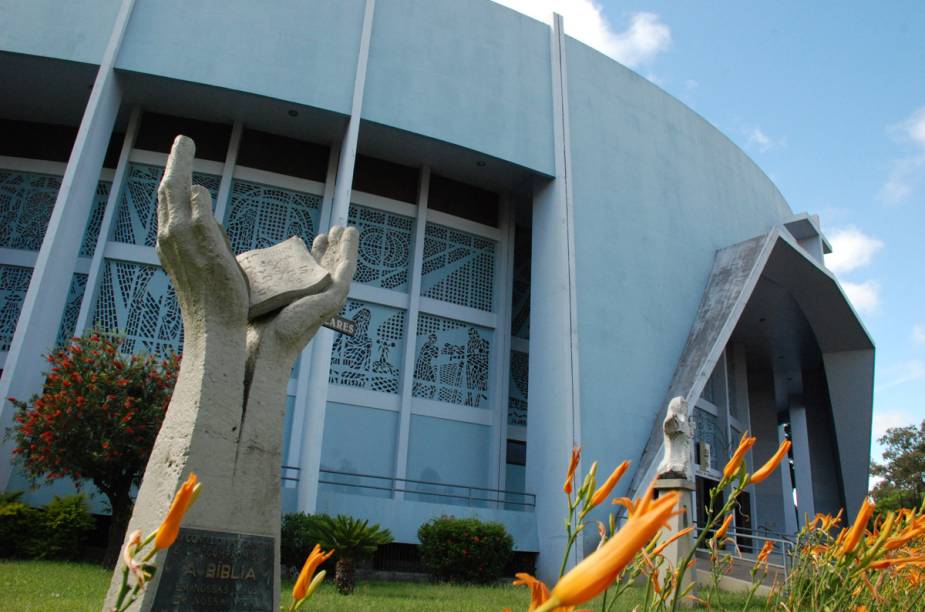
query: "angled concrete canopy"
846, 347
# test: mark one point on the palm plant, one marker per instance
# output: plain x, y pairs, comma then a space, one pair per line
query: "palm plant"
353, 540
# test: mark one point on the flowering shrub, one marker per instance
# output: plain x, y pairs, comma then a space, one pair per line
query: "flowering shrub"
464, 550
96, 419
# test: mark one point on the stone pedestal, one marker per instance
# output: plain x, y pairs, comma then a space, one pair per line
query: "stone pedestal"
678, 550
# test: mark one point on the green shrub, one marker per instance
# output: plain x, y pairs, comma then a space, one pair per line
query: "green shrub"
464, 550
53, 532
18, 525
66, 521
298, 535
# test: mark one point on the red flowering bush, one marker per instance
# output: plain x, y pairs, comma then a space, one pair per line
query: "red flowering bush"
464, 550
96, 419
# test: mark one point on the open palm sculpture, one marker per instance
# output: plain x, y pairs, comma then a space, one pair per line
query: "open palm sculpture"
245, 321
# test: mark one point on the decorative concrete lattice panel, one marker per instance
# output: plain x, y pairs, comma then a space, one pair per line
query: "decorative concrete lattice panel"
384, 252
517, 390
260, 216
458, 267
372, 358
452, 361
14, 282
136, 221
88, 246
26, 202
139, 301
707, 429
71, 309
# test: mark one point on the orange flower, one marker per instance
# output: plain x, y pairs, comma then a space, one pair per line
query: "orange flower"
882, 563
853, 536
768, 468
170, 528
539, 593
668, 542
765, 551
605, 489
599, 569
721, 532
732, 466
315, 558
572, 466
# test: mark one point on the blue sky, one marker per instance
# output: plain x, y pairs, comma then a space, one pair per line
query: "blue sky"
829, 99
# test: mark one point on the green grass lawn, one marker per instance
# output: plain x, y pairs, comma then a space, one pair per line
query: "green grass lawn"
76, 587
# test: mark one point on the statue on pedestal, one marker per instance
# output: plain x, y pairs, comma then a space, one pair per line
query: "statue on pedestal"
245, 321
678, 434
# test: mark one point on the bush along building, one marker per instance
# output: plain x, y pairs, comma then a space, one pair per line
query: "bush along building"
551, 248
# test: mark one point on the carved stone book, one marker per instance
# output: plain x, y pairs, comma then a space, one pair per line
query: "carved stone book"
280, 275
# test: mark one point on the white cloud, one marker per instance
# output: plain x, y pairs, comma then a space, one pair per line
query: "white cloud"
864, 296
851, 249
646, 36
888, 419
757, 138
918, 333
909, 371
905, 176
906, 173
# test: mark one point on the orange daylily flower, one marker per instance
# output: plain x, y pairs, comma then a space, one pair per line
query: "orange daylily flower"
732, 466
572, 466
768, 468
539, 592
668, 542
605, 489
635, 507
315, 559
599, 569
853, 535
170, 528
883, 563
765, 552
721, 532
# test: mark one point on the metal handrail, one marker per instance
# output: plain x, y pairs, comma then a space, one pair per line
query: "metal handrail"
787, 546
499, 497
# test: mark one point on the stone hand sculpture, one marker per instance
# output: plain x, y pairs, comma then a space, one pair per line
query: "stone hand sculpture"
678, 434
225, 418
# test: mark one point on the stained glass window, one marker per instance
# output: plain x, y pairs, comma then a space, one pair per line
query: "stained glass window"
92, 232
384, 252
260, 216
26, 202
517, 390
14, 282
75, 295
707, 429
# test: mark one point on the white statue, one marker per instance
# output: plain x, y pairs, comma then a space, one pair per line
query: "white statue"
677, 442
245, 321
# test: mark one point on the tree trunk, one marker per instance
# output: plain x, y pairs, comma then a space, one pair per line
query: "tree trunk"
345, 576
121, 505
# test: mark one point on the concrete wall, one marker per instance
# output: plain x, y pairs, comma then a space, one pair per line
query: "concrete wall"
76, 30
657, 190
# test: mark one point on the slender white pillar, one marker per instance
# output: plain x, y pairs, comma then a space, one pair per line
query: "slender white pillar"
317, 389
555, 418
497, 460
231, 160
45, 300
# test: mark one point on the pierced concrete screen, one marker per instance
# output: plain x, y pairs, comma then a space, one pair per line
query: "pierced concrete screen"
26, 202
452, 361
707, 429
14, 282
385, 247
458, 268
136, 221
260, 216
371, 358
92, 232
75, 295
517, 390
140, 302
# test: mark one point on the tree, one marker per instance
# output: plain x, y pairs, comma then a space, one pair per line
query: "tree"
96, 419
903, 472
353, 541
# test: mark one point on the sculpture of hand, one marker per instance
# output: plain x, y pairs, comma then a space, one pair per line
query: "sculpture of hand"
194, 249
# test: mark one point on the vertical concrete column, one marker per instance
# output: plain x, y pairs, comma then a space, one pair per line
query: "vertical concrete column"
802, 464
555, 419
37, 328
317, 390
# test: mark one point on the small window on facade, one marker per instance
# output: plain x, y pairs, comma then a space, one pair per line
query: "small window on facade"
516, 452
